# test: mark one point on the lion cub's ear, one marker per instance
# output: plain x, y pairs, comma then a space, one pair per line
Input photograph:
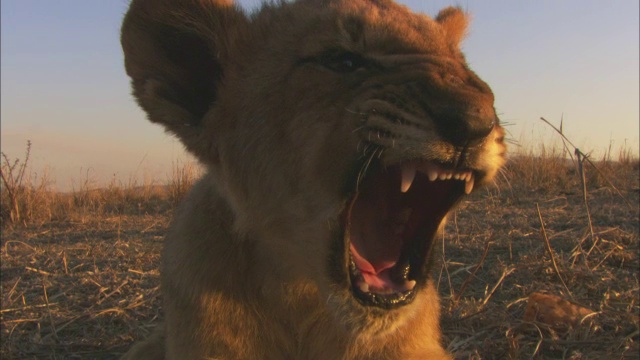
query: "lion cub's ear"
175, 53
454, 21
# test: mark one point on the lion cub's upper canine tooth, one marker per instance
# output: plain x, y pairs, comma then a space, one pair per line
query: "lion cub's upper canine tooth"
408, 174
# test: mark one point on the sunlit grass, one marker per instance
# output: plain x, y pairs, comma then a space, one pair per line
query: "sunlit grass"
29, 198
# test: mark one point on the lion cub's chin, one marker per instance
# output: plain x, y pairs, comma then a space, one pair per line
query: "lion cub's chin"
369, 323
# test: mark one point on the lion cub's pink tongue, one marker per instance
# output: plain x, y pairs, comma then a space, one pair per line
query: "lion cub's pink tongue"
374, 276
374, 251
380, 264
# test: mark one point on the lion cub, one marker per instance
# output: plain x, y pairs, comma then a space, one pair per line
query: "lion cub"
337, 135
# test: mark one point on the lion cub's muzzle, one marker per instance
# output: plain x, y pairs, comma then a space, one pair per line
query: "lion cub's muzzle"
460, 104
426, 146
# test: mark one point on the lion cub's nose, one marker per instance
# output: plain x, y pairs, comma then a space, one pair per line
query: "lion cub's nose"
463, 111
467, 128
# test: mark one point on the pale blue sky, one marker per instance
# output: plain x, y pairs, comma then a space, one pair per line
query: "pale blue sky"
63, 85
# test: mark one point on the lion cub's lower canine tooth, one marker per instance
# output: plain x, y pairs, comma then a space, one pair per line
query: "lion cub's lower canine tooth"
364, 287
468, 185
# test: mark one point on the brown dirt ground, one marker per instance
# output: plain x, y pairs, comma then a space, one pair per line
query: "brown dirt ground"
88, 289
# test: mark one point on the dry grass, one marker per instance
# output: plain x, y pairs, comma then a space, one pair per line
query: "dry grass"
77, 290
600, 273
28, 199
79, 269
80, 277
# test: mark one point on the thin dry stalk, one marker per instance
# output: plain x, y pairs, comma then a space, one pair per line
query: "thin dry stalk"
591, 163
446, 267
46, 301
564, 142
471, 275
64, 262
41, 272
28, 307
506, 272
117, 290
583, 180
537, 348
550, 251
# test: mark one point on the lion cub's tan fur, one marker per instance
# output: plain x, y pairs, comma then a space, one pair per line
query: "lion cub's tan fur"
244, 268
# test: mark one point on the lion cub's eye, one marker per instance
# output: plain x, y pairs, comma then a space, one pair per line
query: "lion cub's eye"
342, 61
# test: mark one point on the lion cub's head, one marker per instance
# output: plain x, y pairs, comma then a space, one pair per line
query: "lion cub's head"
340, 132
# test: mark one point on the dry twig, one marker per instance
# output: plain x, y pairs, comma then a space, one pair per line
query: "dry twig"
583, 181
590, 162
550, 251
471, 275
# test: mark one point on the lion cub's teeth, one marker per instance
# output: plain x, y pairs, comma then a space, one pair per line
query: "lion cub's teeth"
364, 287
468, 185
408, 174
409, 285
432, 174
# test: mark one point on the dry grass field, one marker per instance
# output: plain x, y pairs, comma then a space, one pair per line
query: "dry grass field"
80, 279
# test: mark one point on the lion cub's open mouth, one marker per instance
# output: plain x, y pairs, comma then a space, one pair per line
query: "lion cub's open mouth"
390, 224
